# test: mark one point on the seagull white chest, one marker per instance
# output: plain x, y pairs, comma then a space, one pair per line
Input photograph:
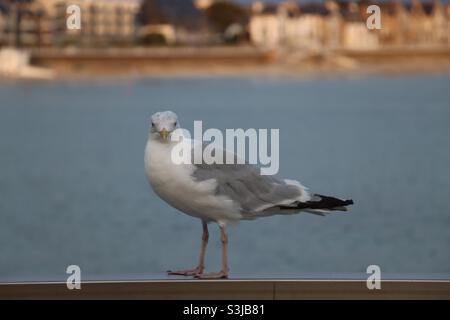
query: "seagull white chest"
175, 185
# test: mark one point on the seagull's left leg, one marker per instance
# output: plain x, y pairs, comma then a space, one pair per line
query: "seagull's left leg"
201, 263
223, 274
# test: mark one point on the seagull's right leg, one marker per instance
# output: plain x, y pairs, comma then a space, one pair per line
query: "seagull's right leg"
201, 263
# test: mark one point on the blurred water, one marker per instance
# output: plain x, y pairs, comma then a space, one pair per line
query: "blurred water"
73, 189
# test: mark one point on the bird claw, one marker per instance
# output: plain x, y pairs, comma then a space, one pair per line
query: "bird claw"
212, 275
189, 272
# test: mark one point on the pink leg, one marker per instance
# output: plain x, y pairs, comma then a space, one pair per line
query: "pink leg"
223, 274
201, 263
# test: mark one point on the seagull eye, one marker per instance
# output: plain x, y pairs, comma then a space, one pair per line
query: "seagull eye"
153, 124
175, 123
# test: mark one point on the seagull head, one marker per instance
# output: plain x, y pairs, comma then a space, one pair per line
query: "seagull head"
163, 124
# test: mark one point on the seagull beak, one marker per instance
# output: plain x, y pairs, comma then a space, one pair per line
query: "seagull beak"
164, 134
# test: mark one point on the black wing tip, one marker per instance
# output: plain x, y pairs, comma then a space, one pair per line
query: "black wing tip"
348, 202
327, 202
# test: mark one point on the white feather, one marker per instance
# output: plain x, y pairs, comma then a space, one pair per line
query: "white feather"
174, 184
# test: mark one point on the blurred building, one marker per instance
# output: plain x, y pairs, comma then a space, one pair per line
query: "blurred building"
413, 24
309, 29
21, 23
3, 24
440, 22
103, 22
203, 4
172, 21
342, 24
447, 13
356, 34
43, 22
266, 25
288, 25
313, 25
291, 24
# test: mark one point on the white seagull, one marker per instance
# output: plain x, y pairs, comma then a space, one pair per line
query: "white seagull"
222, 193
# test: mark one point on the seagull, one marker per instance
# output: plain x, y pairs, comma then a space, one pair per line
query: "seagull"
222, 193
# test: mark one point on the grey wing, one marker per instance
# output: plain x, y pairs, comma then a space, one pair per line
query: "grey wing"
256, 194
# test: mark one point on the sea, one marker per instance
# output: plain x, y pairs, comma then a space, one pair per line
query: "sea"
73, 190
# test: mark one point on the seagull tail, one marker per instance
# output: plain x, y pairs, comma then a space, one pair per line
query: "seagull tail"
321, 205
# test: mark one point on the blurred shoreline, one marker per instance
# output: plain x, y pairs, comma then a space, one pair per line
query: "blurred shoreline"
136, 62
191, 61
